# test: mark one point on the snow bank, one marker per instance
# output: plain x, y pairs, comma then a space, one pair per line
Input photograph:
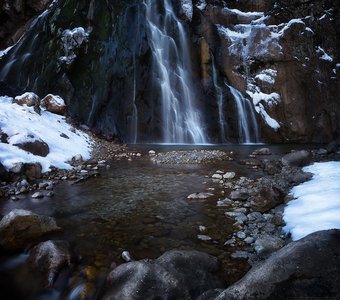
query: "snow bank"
22, 123
317, 206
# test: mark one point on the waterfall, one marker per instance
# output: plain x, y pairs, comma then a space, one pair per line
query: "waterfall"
247, 125
220, 103
181, 119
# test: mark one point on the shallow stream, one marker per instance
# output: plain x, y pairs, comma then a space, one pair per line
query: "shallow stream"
136, 206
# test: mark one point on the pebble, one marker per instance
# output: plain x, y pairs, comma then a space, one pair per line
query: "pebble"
152, 153
200, 195
217, 176
202, 228
229, 175
203, 237
241, 235
126, 256
240, 254
50, 194
249, 240
37, 195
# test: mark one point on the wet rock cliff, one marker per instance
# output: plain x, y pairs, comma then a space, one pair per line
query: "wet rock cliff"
258, 71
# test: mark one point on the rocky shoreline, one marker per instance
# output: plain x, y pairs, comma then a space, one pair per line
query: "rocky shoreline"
254, 205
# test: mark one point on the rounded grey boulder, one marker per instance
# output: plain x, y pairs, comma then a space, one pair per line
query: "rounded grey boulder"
307, 268
174, 275
19, 228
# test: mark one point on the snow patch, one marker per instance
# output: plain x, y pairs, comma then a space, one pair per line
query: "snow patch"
324, 56
201, 5
22, 123
187, 9
317, 204
267, 75
268, 119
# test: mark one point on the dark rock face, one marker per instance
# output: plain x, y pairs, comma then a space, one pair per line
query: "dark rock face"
20, 228
49, 258
104, 70
305, 268
174, 275
15, 18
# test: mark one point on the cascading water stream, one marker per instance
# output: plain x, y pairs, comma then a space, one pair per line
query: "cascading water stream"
247, 125
220, 103
181, 119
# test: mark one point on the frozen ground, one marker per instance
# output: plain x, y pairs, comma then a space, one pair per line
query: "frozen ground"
22, 123
317, 204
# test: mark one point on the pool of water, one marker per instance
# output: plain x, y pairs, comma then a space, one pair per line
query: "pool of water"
140, 207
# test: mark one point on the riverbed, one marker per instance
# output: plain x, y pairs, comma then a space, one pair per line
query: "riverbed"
136, 206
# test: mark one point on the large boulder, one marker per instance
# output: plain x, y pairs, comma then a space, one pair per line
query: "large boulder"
50, 258
36, 147
54, 104
29, 99
174, 275
266, 199
20, 228
33, 171
307, 268
296, 159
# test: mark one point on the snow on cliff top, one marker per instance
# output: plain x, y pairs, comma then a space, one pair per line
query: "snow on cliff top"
21, 123
317, 204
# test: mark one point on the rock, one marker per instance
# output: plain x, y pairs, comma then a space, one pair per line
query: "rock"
296, 159
225, 202
29, 99
3, 173
262, 151
38, 5
78, 158
332, 147
37, 195
240, 254
322, 152
50, 258
240, 194
3, 137
217, 176
267, 198
241, 235
36, 147
229, 175
186, 10
267, 244
255, 217
126, 256
18, 168
203, 237
20, 228
152, 153
54, 104
249, 240
200, 195
307, 268
33, 171
174, 275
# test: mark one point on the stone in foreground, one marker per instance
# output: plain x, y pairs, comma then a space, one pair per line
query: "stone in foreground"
307, 268
50, 258
174, 275
21, 228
